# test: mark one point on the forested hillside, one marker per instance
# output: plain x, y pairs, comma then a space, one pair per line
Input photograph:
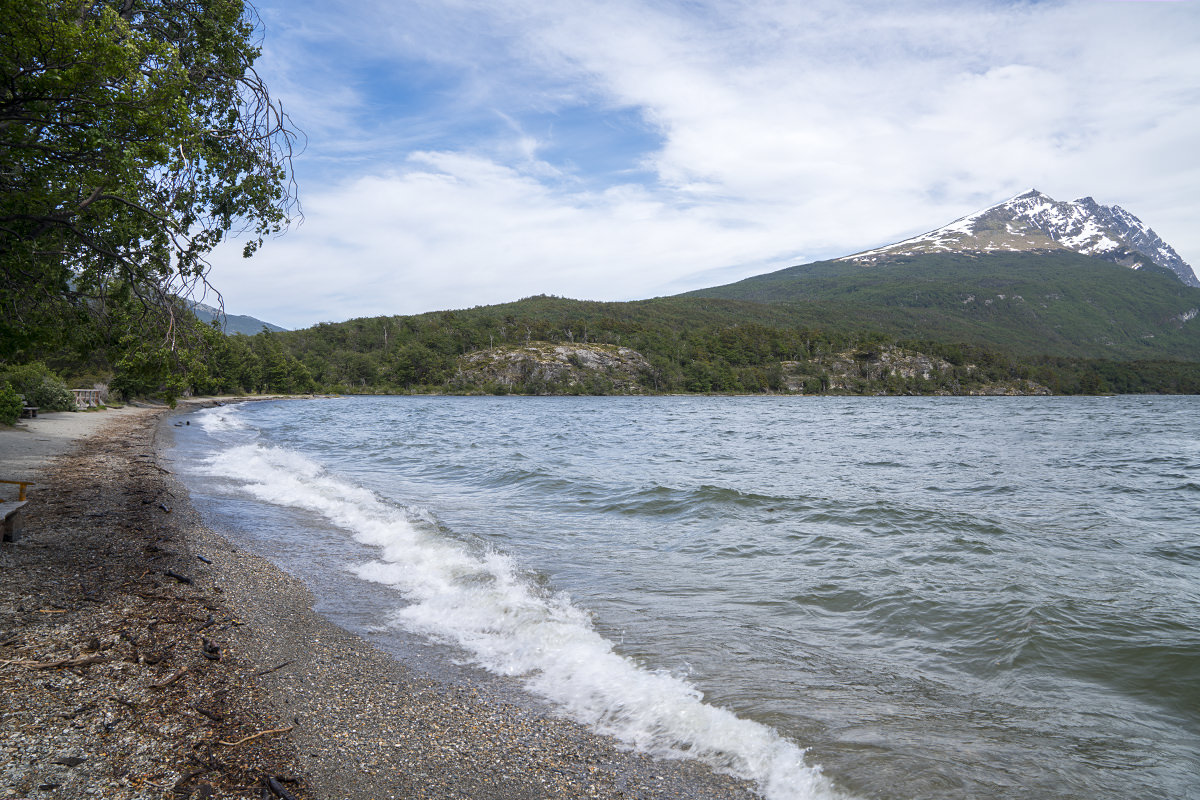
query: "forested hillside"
539, 345
551, 345
1029, 304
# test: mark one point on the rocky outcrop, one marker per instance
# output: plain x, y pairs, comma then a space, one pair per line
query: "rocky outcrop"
894, 370
547, 368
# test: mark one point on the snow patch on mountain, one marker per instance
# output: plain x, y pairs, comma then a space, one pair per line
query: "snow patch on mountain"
1035, 221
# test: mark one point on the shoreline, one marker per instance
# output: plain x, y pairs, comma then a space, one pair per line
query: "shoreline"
336, 717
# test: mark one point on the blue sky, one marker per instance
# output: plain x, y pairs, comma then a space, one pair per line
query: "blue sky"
463, 153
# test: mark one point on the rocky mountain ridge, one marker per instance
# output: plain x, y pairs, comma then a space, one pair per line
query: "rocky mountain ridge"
1034, 221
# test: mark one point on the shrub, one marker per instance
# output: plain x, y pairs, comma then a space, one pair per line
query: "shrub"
10, 404
40, 386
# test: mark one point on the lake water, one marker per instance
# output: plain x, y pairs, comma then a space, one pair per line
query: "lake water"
892, 598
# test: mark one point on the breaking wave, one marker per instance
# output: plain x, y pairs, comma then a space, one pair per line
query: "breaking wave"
469, 595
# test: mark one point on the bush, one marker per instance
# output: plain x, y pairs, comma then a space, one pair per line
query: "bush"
40, 386
10, 404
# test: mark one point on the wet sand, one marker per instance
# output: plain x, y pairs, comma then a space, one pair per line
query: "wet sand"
140, 651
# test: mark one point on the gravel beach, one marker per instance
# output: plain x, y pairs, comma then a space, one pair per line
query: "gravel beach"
144, 656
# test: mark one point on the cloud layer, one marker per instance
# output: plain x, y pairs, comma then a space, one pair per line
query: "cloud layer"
464, 153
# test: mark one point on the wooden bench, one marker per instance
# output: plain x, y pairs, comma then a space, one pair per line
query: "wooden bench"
11, 511
27, 410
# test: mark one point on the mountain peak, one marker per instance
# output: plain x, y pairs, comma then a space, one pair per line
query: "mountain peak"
1033, 220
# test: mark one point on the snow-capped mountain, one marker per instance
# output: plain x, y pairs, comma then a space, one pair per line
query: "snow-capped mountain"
1034, 221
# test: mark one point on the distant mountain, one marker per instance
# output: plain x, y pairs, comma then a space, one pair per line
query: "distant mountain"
232, 323
1034, 221
1028, 303
1029, 276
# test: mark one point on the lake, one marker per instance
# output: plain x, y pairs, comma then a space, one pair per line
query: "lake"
892, 598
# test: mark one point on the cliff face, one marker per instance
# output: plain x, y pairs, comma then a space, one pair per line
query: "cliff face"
546, 368
894, 370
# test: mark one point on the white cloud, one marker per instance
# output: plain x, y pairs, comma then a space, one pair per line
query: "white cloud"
454, 231
788, 132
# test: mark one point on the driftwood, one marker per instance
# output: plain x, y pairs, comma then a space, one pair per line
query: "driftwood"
274, 668
181, 578
188, 777
215, 716
170, 679
280, 792
256, 735
81, 661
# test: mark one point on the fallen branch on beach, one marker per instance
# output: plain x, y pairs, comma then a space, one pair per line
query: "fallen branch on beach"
171, 679
257, 735
274, 668
189, 776
215, 716
81, 661
280, 792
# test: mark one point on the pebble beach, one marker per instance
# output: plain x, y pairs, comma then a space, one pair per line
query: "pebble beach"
144, 656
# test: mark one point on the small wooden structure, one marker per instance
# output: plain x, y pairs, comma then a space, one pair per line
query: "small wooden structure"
86, 398
11, 512
26, 409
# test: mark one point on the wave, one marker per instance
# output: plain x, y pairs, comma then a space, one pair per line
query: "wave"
221, 419
666, 501
479, 600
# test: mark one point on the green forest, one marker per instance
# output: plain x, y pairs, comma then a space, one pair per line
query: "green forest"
688, 346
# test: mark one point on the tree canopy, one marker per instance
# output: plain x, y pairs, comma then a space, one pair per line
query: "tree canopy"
134, 136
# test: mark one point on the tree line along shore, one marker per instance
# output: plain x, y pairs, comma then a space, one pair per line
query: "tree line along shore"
476, 352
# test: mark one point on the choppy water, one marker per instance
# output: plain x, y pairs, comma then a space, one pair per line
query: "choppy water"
901, 598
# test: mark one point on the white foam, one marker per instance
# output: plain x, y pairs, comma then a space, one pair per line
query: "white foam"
220, 419
482, 603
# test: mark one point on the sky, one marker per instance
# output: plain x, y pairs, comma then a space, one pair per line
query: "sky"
464, 153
